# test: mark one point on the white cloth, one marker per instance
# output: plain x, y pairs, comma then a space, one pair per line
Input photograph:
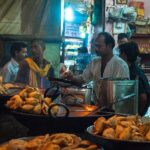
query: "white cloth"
116, 51
9, 71
115, 68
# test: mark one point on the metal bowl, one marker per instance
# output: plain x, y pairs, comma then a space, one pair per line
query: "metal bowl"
111, 144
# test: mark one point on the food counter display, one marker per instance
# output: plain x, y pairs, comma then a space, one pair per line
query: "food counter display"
39, 113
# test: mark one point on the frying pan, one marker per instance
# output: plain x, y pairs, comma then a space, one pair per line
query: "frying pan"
41, 124
114, 144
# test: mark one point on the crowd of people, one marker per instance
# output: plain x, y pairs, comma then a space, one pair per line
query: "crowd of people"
110, 63
33, 71
122, 65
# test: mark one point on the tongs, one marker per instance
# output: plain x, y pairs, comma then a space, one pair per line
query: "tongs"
108, 109
64, 82
55, 115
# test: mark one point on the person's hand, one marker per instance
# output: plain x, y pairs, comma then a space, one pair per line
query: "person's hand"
67, 75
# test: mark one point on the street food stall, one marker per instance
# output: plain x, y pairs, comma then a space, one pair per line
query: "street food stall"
64, 115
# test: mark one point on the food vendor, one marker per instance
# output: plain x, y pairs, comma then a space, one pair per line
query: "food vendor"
106, 65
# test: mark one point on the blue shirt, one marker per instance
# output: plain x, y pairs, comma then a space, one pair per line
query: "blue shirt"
9, 71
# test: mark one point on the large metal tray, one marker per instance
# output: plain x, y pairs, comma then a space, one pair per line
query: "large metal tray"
113, 144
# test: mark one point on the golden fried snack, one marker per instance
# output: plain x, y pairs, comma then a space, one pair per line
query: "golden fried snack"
18, 100
126, 123
37, 142
126, 134
144, 128
119, 129
4, 147
44, 109
66, 140
147, 137
114, 120
85, 143
17, 145
37, 109
23, 93
137, 136
99, 125
135, 128
31, 101
75, 149
10, 103
54, 109
109, 133
51, 146
30, 89
27, 107
92, 147
35, 94
133, 118
48, 100
15, 102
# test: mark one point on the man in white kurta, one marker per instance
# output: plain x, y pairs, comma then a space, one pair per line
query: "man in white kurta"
115, 68
105, 66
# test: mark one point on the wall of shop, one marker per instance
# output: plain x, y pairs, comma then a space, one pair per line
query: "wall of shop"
146, 6
108, 26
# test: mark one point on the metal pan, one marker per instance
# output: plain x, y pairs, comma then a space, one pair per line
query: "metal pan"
40, 124
113, 144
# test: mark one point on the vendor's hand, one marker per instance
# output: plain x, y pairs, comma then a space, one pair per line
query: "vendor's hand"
67, 75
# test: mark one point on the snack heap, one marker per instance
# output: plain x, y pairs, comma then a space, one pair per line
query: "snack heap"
59, 141
122, 128
31, 100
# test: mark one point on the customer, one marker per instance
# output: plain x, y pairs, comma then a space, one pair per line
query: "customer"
18, 53
129, 52
34, 71
122, 38
83, 59
105, 66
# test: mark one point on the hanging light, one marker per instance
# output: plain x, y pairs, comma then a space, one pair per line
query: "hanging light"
69, 16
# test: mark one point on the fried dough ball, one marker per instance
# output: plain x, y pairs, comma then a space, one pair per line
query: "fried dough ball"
126, 134
109, 133
137, 136
51, 146
23, 94
27, 107
48, 100
16, 144
35, 94
119, 129
147, 137
99, 125
31, 101
37, 109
